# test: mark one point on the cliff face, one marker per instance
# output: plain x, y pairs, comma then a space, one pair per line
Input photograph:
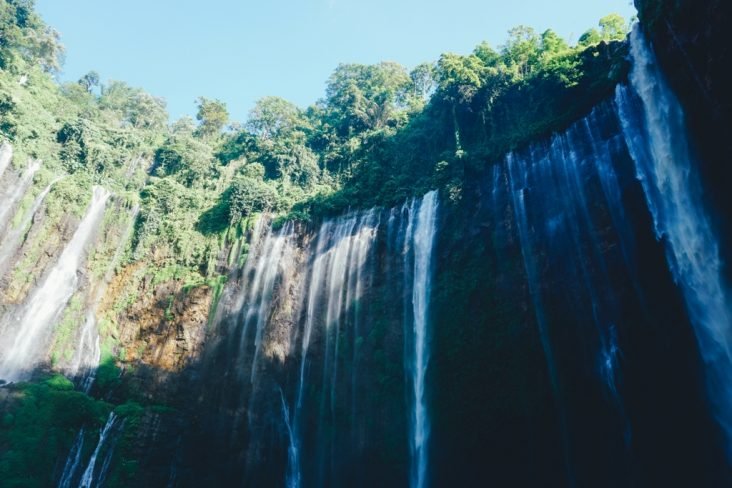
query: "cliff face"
555, 320
539, 327
692, 43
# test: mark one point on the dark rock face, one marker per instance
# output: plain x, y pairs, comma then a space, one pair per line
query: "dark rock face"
691, 40
562, 343
562, 352
561, 349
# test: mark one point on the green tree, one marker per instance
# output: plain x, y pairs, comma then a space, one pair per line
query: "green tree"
361, 98
522, 50
183, 126
613, 27
89, 81
24, 35
134, 106
273, 118
460, 77
212, 117
487, 54
423, 80
590, 37
552, 45
249, 195
145, 111
186, 159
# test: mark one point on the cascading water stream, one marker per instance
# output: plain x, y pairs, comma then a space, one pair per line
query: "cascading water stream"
46, 303
423, 241
87, 353
9, 244
655, 132
293, 476
73, 461
13, 194
357, 282
292, 446
277, 254
6, 155
336, 282
92, 476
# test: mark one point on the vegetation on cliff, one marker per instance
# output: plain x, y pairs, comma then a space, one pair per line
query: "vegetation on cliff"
381, 133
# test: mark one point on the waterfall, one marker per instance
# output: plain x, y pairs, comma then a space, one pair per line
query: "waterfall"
293, 478
13, 194
336, 283
655, 132
336, 280
6, 155
92, 476
358, 280
9, 244
47, 302
518, 172
88, 351
73, 461
276, 255
423, 242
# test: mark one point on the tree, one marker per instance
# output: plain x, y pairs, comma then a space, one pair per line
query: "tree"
423, 80
134, 106
552, 45
23, 34
279, 130
460, 77
274, 117
145, 111
361, 98
590, 38
183, 126
613, 27
187, 160
249, 195
89, 81
212, 117
521, 51
487, 54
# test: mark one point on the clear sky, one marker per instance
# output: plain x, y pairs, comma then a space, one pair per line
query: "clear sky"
241, 50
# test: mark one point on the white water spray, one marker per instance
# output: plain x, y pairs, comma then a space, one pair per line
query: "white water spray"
13, 195
88, 478
336, 283
73, 461
277, 254
88, 349
47, 302
423, 241
658, 143
9, 244
6, 155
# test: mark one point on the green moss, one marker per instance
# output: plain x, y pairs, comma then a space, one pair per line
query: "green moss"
39, 424
130, 410
217, 286
64, 341
108, 374
59, 382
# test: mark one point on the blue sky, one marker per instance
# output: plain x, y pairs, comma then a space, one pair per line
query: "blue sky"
241, 50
